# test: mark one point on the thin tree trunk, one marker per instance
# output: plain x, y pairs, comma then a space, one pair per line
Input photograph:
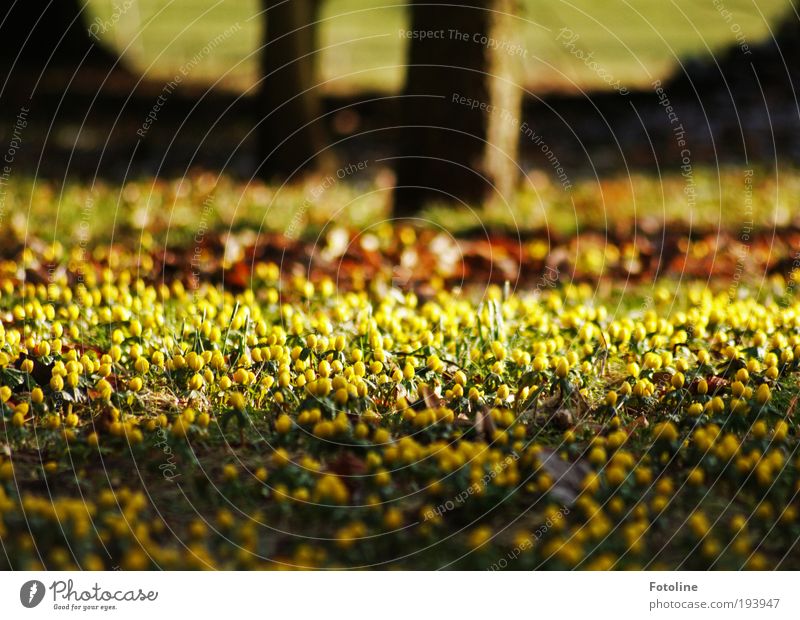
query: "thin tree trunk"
292, 135
505, 92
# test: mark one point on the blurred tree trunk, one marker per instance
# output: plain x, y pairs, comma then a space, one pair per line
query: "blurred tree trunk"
505, 92
292, 133
51, 34
445, 132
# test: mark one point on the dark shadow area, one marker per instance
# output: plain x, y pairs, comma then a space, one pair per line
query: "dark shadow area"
101, 121
738, 107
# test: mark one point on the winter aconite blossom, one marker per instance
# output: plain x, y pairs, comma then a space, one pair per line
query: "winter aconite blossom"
238, 422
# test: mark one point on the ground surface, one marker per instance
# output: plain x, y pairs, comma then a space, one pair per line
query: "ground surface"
205, 397
362, 50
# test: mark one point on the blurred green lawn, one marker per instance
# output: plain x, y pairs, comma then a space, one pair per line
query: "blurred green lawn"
165, 211
635, 42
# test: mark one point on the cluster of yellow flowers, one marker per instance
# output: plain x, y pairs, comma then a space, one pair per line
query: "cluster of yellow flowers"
294, 425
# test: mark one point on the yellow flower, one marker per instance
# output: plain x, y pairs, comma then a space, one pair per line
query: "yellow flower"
283, 424
666, 431
196, 382
237, 401
781, 431
230, 472
341, 396
763, 394
393, 519
695, 410
479, 536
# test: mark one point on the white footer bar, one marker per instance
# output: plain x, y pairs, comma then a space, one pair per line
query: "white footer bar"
401, 595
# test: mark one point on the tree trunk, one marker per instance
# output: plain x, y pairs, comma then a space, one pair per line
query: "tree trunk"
292, 132
444, 108
51, 35
505, 92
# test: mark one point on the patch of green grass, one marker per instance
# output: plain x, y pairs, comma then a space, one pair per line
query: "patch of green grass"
725, 199
174, 211
635, 43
